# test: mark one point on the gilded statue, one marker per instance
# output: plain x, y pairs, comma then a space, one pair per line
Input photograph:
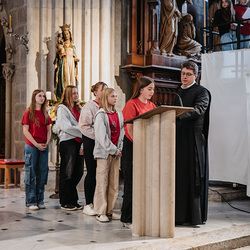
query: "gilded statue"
170, 16
65, 62
186, 45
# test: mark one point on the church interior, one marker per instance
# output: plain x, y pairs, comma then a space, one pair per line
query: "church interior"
116, 42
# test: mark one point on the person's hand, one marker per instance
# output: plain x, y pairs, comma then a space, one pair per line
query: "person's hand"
120, 154
233, 26
41, 146
81, 152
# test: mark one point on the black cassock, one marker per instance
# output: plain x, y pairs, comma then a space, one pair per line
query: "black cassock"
192, 156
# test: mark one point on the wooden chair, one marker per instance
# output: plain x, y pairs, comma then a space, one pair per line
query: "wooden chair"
7, 166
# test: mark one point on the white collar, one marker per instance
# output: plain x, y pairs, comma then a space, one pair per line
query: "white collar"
189, 86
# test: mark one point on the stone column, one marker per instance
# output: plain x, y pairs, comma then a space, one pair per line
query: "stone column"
8, 72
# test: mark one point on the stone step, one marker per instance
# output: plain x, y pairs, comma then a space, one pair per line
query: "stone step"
226, 238
226, 193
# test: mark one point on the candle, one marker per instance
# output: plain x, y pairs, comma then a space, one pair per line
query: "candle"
10, 23
48, 95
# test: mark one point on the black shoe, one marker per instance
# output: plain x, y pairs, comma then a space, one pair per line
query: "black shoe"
78, 206
69, 207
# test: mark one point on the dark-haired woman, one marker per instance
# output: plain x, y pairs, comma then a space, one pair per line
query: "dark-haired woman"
225, 15
86, 126
137, 105
71, 167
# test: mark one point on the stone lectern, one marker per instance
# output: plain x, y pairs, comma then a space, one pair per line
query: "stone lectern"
154, 171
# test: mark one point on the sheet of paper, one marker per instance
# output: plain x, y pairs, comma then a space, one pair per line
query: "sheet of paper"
246, 15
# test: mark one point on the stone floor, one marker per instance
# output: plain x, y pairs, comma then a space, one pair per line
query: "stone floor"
53, 228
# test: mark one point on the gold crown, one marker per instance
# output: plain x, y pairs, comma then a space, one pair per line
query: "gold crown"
65, 27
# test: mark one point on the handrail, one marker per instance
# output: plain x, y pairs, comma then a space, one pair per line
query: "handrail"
210, 32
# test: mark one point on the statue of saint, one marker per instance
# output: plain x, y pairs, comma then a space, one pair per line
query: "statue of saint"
170, 16
186, 45
65, 62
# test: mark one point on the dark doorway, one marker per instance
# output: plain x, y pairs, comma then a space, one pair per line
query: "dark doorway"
2, 93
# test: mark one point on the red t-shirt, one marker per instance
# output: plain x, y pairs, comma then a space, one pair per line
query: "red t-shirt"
38, 128
133, 108
76, 115
114, 127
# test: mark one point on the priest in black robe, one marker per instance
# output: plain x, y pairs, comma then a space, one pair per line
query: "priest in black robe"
191, 150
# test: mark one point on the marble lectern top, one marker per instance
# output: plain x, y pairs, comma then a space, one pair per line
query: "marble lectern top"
163, 108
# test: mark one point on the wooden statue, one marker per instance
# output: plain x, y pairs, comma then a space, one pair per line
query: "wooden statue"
212, 9
186, 45
170, 16
65, 62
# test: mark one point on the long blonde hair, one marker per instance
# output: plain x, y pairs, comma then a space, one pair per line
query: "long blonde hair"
104, 100
32, 106
67, 99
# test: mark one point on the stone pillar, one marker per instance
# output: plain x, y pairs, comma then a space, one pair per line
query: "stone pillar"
8, 72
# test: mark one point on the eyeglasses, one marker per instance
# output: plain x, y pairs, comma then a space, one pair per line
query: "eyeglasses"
187, 74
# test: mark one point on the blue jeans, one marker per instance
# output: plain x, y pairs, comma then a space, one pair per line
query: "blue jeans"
244, 45
229, 37
36, 174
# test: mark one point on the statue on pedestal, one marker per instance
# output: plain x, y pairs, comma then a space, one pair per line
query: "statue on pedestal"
170, 16
186, 45
65, 62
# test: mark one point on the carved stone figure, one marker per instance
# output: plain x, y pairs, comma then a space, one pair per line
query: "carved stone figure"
186, 45
65, 62
170, 16
9, 51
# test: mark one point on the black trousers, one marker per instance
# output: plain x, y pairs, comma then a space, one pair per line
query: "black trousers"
90, 179
127, 167
71, 171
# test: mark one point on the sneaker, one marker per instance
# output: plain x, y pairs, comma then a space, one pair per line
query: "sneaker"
102, 218
78, 206
33, 207
69, 207
127, 225
114, 216
89, 209
41, 206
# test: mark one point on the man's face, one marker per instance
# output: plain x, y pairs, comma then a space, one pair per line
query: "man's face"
187, 77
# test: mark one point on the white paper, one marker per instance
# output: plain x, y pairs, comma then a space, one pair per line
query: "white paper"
246, 14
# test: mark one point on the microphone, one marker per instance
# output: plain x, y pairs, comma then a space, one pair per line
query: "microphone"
179, 98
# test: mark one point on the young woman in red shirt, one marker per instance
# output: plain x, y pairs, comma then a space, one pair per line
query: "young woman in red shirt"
138, 104
37, 131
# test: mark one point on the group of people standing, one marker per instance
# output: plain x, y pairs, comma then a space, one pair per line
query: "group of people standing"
224, 16
97, 133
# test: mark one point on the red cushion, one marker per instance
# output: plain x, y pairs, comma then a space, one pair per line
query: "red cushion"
2, 162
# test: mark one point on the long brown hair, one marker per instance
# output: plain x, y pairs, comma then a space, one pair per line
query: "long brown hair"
67, 99
228, 13
96, 86
104, 100
142, 82
32, 106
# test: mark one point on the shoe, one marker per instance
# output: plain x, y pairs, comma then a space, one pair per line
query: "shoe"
102, 218
114, 216
41, 206
78, 206
69, 207
89, 209
127, 225
33, 207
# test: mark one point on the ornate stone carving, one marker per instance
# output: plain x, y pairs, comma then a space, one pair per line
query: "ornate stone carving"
4, 23
9, 51
8, 71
